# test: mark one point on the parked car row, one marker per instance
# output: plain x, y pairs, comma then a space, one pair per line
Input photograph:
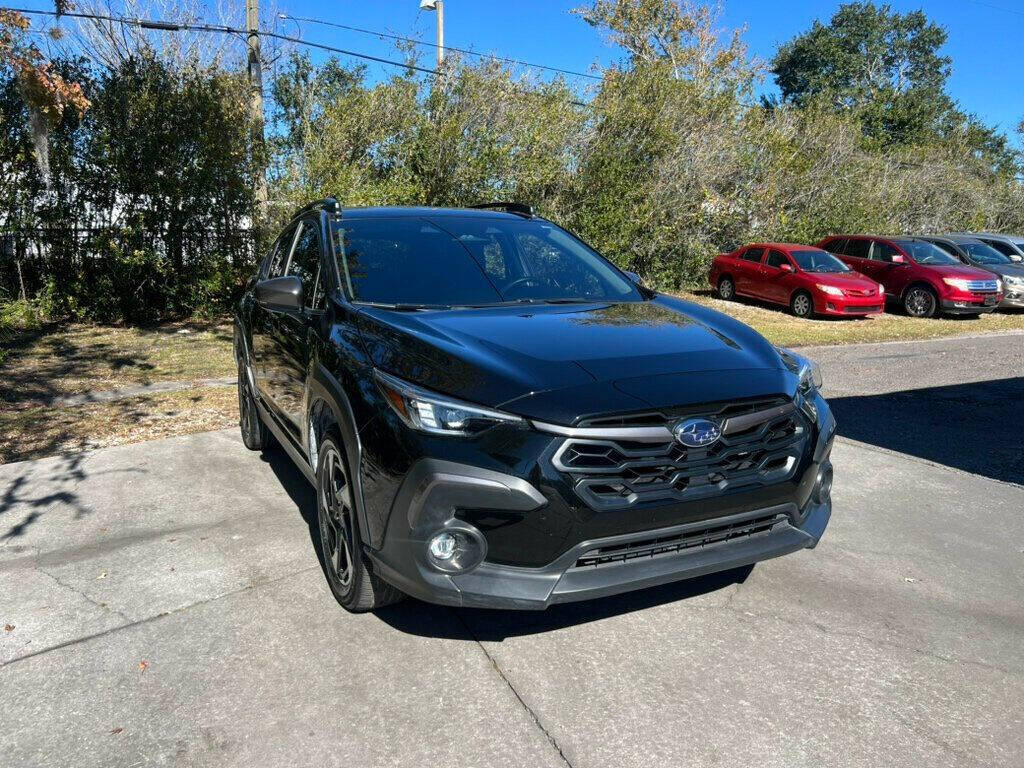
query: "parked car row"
859, 275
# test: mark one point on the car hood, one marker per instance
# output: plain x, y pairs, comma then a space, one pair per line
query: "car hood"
562, 363
1004, 270
957, 270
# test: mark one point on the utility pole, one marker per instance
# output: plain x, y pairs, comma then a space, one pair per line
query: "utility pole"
438, 6
252, 23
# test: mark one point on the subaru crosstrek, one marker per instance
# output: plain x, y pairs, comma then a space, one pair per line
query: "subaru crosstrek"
494, 415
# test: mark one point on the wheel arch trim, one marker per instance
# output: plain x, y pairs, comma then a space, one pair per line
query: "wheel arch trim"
323, 386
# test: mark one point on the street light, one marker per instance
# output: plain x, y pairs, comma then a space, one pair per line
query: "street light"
437, 5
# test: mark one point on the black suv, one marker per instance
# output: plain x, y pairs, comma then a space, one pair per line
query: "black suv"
494, 415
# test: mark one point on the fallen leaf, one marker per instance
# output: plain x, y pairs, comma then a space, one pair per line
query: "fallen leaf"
143, 665
117, 730
910, 580
103, 575
8, 627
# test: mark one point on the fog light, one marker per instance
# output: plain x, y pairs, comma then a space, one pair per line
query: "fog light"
442, 546
823, 488
458, 548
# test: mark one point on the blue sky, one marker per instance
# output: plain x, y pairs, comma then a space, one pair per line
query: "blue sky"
985, 38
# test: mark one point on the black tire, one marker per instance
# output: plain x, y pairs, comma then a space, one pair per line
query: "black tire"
726, 289
255, 434
920, 301
354, 584
802, 305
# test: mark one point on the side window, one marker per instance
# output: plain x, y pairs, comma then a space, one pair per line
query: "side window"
305, 263
947, 247
837, 246
1000, 246
278, 259
883, 252
776, 259
858, 249
753, 254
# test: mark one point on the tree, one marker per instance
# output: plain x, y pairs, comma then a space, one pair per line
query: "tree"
885, 67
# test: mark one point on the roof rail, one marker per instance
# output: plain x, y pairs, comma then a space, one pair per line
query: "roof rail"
521, 208
328, 204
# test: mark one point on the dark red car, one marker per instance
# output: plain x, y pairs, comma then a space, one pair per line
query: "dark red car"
918, 274
807, 279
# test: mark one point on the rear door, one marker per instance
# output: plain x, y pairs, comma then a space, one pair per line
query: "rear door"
858, 254
748, 271
777, 282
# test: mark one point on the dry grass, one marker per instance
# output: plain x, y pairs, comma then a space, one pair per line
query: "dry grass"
780, 327
32, 433
66, 360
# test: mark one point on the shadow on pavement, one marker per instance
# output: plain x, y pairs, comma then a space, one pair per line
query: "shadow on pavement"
423, 619
978, 428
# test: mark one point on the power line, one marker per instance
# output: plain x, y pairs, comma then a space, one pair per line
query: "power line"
435, 45
174, 26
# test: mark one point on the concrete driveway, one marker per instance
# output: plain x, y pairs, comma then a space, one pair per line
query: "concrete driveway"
168, 609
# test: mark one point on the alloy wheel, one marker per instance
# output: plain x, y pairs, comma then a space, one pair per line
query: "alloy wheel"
725, 289
336, 529
920, 303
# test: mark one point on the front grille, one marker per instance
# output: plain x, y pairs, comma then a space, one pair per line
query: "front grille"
859, 292
617, 473
670, 545
982, 286
858, 310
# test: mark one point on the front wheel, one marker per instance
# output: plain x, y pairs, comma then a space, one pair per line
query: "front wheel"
348, 573
920, 301
801, 304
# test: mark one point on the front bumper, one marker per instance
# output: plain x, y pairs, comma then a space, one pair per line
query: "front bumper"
435, 490
849, 306
1013, 298
966, 307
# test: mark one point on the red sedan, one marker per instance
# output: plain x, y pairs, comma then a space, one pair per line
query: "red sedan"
807, 279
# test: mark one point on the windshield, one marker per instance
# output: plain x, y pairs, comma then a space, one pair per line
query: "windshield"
447, 261
984, 254
926, 253
818, 261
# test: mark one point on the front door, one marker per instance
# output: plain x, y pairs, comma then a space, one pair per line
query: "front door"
291, 334
777, 281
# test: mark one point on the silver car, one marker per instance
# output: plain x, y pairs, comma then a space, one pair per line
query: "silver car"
972, 250
1011, 246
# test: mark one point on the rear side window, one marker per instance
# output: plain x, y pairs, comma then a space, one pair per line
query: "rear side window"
305, 264
753, 254
947, 247
858, 249
836, 246
776, 259
883, 252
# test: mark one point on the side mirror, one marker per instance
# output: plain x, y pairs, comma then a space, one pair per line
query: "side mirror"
786, 267
282, 293
634, 277
1016, 257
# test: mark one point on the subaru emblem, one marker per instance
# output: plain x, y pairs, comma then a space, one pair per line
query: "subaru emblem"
697, 433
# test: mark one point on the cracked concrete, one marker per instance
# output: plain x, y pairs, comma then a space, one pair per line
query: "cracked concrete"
898, 641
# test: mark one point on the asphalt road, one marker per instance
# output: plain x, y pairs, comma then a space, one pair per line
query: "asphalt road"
168, 609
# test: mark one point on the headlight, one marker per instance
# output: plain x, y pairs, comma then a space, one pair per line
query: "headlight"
437, 414
831, 290
1014, 280
808, 370
958, 283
